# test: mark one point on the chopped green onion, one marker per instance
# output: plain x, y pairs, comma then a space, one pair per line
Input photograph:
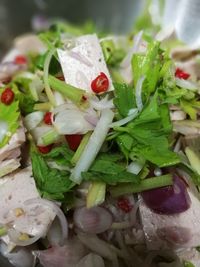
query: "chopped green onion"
146, 184
193, 159
50, 137
96, 194
48, 90
81, 148
69, 91
43, 106
3, 230
108, 47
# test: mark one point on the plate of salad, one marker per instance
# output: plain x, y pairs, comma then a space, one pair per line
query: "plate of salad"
99, 151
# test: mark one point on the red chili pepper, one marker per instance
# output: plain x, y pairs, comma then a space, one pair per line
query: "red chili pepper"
73, 141
84, 98
7, 96
100, 84
62, 78
45, 149
20, 60
47, 118
124, 204
181, 74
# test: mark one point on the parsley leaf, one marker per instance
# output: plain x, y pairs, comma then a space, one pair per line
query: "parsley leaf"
51, 182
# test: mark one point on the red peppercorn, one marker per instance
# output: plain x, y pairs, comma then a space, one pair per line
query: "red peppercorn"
47, 118
61, 78
73, 141
45, 149
124, 205
100, 84
181, 74
7, 96
20, 60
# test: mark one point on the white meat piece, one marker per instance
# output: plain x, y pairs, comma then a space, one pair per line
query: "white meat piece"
174, 231
15, 141
8, 166
18, 188
84, 62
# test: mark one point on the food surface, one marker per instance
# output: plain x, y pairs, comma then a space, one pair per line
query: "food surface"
99, 150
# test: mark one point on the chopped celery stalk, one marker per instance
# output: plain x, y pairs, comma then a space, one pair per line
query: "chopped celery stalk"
72, 93
33, 92
43, 106
188, 264
193, 158
96, 194
48, 90
81, 148
50, 137
3, 230
146, 184
108, 47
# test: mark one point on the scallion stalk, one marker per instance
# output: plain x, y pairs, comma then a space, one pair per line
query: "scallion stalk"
146, 184
50, 137
43, 106
96, 194
72, 93
81, 148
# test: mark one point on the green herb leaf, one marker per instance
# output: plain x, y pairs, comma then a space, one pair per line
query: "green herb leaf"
10, 115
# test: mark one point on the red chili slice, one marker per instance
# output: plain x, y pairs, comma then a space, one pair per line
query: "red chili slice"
124, 205
181, 74
7, 96
20, 60
45, 149
100, 84
47, 118
73, 141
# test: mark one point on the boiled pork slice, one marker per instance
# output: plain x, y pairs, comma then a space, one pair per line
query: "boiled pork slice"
174, 231
16, 189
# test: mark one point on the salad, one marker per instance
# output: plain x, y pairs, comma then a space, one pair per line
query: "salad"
99, 151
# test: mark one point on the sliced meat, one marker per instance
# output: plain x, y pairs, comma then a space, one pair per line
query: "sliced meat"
15, 141
177, 231
8, 166
15, 191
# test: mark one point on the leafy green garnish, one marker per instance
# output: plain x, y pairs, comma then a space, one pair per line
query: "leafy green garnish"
109, 168
147, 135
51, 182
10, 115
124, 99
188, 264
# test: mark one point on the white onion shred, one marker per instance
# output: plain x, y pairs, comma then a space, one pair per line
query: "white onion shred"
57, 210
100, 104
137, 41
71, 122
125, 120
94, 145
135, 167
138, 93
186, 84
33, 119
3, 130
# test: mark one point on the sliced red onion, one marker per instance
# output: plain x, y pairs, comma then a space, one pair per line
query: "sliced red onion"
170, 199
8, 69
91, 260
20, 257
100, 247
187, 127
66, 256
175, 235
57, 210
94, 220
